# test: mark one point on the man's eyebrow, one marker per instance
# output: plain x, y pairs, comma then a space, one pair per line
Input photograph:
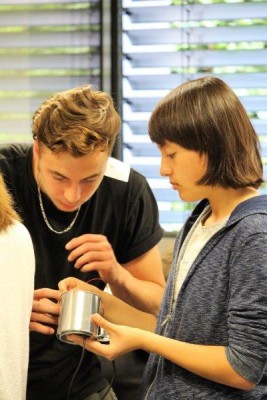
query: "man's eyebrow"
91, 177
65, 177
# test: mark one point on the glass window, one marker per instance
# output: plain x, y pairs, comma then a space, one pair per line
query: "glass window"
45, 47
168, 42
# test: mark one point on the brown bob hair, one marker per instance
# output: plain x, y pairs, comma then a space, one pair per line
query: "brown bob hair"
205, 115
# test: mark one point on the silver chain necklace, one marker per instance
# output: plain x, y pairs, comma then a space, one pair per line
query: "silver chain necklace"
46, 220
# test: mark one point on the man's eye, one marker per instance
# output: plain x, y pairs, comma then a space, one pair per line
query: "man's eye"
59, 178
89, 181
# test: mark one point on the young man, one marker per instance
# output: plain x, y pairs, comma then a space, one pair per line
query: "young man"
90, 217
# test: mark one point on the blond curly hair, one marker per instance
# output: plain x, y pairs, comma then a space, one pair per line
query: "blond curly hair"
77, 121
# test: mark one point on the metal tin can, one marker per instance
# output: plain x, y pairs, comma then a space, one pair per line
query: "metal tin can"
77, 306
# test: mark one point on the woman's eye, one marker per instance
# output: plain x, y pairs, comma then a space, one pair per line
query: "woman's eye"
172, 155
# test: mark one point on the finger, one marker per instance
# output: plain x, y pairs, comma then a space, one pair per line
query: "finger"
98, 348
78, 241
88, 248
43, 307
37, 327
46, 293
44, 318
92, 345
65, 284
102, 322
100, 267
68, 283
77, 284
93, 256
78, 339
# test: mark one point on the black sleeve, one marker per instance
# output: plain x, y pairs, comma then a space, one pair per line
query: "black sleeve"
142, 230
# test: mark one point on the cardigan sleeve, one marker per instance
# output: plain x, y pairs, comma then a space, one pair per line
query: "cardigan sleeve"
247, 314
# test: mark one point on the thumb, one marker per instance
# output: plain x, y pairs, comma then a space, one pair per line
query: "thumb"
102, 322
65, 284
69, 283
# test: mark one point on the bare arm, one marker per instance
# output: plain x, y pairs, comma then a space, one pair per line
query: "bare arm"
113, 309
209, 362
140, 282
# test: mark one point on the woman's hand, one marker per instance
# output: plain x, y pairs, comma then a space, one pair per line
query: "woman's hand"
123, 339
114, 309
72, 284
76, 284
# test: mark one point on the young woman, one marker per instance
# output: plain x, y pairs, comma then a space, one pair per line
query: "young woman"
211, 335
16, 296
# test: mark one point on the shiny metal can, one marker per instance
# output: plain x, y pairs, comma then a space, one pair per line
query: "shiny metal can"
77, 306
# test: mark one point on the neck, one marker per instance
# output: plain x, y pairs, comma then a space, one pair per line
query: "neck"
49, 226
224, 201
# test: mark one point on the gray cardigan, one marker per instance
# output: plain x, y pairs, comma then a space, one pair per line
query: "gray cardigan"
223, 301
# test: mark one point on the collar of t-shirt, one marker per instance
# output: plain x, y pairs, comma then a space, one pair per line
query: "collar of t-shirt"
196, 239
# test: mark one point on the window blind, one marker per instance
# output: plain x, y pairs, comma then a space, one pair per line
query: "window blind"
168, 42
45, 47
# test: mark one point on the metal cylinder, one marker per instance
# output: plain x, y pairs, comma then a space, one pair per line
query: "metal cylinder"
77, 306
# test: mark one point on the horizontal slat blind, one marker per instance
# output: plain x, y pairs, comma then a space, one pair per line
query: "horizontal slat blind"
168, 42
45, 47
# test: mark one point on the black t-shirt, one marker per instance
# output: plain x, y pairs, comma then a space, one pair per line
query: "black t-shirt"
125, 211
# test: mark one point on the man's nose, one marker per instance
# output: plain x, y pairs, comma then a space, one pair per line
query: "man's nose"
73, 194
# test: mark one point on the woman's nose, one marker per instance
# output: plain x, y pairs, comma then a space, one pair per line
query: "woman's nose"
165, 170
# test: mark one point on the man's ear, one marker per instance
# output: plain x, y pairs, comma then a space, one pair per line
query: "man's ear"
36, 150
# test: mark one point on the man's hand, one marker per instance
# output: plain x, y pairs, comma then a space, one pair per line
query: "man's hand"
94, 253
45, 310
139, 282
